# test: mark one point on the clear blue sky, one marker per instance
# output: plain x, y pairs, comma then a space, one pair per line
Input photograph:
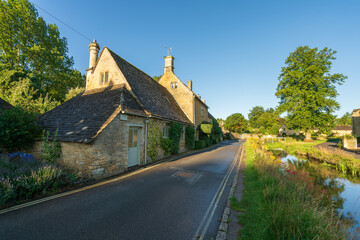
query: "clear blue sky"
232, 50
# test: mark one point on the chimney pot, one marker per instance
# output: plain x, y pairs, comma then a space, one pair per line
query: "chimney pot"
94, 51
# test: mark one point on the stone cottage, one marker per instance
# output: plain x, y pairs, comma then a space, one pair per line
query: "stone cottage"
193, 106
342, 130
355, 120
103, 131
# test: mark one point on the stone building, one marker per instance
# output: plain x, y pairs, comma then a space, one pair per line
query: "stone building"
193, 106
103, 131
355, 120
342, 130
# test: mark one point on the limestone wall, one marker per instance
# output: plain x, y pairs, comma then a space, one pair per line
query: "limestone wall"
183, 95
198, 118
107, 155
356, 126
105, 64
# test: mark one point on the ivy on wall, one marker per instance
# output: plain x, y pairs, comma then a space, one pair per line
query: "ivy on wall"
154, 136
190, 137
172, 143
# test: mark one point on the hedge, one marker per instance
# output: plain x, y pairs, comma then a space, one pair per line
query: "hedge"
200, 144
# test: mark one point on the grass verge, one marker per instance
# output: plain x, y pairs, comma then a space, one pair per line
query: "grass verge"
281, 203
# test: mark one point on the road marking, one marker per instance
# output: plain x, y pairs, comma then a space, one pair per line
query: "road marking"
216, 196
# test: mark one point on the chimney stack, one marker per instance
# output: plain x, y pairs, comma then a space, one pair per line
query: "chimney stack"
169, 64
94, 51
190, 85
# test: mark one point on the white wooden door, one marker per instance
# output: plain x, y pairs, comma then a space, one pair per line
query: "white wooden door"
134, 146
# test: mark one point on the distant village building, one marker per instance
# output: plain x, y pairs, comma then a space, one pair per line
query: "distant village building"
342, 130
104, 130
355, 120
283, 130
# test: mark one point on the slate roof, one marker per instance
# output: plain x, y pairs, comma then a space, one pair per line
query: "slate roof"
81, 118
154, 97
343, 128
4, 105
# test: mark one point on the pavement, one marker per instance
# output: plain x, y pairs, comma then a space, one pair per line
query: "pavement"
182, 199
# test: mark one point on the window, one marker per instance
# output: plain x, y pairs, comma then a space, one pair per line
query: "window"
173, 85
133, 137
107, 77
166, 130
104, 77
202, 111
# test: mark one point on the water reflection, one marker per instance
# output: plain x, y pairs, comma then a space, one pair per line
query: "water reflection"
345, 191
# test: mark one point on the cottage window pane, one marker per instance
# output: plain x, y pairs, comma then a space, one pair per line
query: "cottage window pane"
135, 138
130, 138
102, 78
107, 77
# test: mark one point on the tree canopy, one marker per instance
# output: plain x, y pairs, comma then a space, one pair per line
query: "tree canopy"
307, 90
236, 123
254, 115
345, 120
33, 55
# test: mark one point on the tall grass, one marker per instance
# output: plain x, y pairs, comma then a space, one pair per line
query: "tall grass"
284, 203
338, 159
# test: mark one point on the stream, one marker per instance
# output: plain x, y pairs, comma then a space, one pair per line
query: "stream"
345, 190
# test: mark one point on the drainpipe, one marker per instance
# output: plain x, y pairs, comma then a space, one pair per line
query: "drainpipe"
146, 135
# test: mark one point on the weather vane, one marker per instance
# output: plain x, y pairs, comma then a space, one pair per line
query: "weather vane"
169, 49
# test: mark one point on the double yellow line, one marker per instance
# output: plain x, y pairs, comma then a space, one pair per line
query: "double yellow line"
205, 222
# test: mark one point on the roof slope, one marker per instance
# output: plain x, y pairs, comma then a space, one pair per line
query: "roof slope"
4, 105
81, 118
343, 128
155, 98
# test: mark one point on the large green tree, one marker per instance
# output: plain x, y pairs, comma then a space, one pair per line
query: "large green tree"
254, 115
32, 50
236, 123
344, 120
307, 89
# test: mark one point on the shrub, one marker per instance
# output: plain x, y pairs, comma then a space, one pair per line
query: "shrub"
200, 144
206, 128
167, 145
154, 137
190, 137
340, 145
175, 136
18, 129
50, 150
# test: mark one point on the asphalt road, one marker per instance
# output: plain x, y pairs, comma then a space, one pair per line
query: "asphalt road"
182, 199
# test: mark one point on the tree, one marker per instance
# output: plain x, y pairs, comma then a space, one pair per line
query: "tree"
235, 123
156, 78
307, 90
31, 49
73, 92
254, 114
345, 120
268, 119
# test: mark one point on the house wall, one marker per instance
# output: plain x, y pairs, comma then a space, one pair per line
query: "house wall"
107, 155
198, 118
341, 132
182, 94
105, 64
356, 125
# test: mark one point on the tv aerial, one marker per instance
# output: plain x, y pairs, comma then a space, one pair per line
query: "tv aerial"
169, 50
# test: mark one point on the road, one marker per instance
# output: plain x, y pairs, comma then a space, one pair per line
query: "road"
181, 199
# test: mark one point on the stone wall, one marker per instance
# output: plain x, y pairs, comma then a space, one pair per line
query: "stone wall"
198, 117
107, 155
182, 94
356, 125
350, 143
106, 63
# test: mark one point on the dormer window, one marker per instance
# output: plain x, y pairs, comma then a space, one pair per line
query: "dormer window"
104, 77
173, 85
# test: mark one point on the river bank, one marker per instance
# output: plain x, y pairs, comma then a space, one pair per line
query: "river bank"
280, 202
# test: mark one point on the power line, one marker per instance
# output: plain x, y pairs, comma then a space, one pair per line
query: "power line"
76, 31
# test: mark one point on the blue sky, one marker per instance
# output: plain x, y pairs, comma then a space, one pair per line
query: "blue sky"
233, 51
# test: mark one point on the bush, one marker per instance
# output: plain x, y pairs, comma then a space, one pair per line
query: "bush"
190, 137
18, 129
50, 150
200, 144
154, 137
167, 145
175, 136
21, 178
